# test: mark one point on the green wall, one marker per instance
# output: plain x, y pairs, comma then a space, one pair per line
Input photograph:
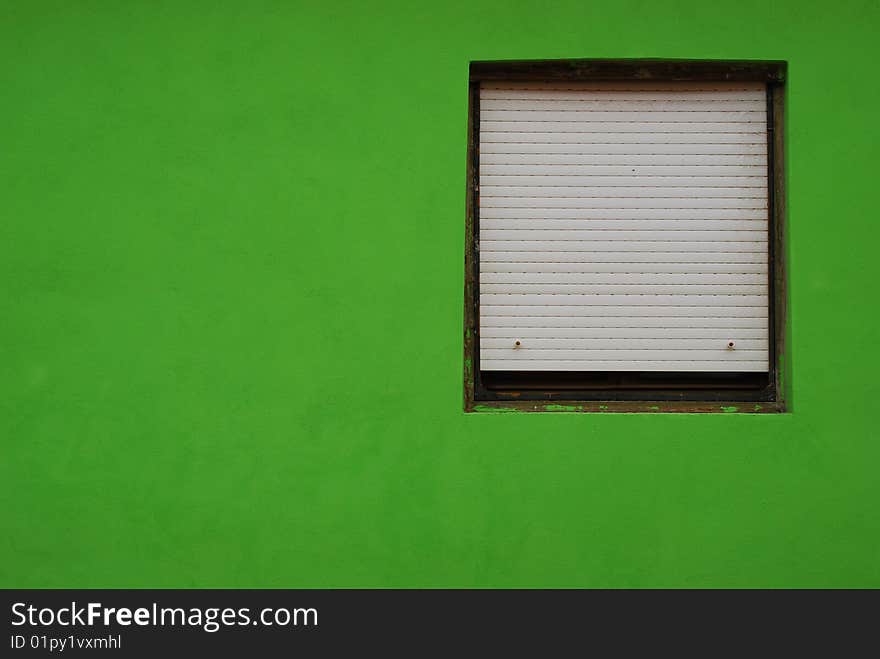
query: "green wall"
231, 245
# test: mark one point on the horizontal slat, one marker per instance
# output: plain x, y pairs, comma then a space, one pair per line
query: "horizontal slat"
590, 277
564, 323
586, 115
534, 201
601, 267
623, 213
718, 354
489, 145
692, 88
628, 246
623, 289
620, 192
623, 257
531, 348
625, 365
512, 134
629, 311
505, 163
646, 96
525, 333
635, 236
693, 184
623, 300
596, 227
626, 103
632, 170
664, 128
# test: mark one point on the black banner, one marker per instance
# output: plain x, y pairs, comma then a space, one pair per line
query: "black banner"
133, 623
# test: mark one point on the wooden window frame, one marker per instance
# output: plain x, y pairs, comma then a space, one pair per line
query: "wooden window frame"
621, 391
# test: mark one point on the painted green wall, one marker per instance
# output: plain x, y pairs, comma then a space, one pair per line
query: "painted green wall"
231, 245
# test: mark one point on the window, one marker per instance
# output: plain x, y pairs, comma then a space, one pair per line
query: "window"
624, 245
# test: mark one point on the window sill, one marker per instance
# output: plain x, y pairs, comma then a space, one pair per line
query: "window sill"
647, 407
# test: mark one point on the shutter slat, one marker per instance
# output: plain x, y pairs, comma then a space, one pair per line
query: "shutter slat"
629, 312
489, 183
626, 169
640, 246
653, 202
504, 163
623, 148
552, 258
565, 323
540, 347
754, 129
625, 301
623, 289
620, 279
622, 213
626, 102
601, 268
524, 332
633, 235
606, 135
638, 85
623, 192
619, 227
719, 354
694, 366
661, 118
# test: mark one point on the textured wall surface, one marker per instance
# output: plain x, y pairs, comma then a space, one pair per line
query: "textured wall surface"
231, 245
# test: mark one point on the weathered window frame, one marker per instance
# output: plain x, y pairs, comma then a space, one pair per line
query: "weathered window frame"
629, 394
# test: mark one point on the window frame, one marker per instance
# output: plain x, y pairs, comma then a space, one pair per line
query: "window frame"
630, 393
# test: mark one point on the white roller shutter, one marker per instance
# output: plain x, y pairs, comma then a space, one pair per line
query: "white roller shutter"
623, 227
